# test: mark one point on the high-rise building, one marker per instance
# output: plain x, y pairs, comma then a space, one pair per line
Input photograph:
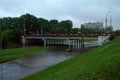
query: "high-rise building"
97, 25
109, 28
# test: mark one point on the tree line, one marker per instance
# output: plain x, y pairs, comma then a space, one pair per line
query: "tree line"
33, 24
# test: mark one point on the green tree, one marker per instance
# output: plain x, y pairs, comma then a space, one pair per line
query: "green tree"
30, 23
43, 25
11, 37
117, 32
75, 30
67, 25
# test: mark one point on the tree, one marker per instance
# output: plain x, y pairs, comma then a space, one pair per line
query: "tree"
62, 30
117, 32
67, 25
11, 36
30, 23
75, 30
9, 23
52, 30
82, 30
54, 23
43, 25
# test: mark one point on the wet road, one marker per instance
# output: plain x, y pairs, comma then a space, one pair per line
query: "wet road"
16, 69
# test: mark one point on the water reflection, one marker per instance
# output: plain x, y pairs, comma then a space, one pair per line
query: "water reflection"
16, 69
47, 58
13, 70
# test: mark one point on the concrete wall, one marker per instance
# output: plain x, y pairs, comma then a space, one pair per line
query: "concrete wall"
103, 39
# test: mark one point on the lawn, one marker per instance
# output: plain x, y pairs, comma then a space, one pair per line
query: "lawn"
102, 63
14, 53
55, 40
90, 39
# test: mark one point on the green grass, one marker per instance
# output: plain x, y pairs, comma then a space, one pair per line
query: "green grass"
102, 63
55, 40
12, 45
90, 39
14, 53
59, 40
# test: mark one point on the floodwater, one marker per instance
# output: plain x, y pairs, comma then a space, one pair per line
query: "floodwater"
19, 68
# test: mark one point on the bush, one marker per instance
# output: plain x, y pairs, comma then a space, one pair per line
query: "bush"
11, 37
111, 37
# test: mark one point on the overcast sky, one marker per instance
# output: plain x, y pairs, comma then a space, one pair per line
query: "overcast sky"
79, 11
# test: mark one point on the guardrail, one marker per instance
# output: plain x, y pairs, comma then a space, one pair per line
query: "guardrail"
61, 35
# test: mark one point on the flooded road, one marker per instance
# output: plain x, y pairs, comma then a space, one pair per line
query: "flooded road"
19, 68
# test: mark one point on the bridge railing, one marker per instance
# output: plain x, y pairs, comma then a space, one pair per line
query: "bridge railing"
61, 35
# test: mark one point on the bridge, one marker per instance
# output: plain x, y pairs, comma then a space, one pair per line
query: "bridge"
71, 39
59, 38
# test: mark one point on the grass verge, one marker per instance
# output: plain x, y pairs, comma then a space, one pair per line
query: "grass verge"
14, 53
90, 39
102, 63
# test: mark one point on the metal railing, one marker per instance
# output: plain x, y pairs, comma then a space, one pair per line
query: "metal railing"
61, 35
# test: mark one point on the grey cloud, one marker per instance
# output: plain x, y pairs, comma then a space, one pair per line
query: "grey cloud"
79, 11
